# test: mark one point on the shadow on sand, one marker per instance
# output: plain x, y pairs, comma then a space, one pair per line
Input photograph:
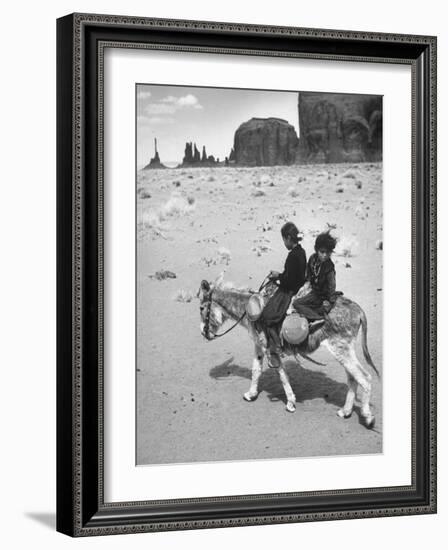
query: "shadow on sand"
306, 384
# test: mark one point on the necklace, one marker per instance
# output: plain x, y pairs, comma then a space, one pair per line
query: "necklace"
316, 270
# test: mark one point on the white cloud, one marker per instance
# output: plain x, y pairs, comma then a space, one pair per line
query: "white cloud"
160, 109
154, 113
169, 99
188, 100
142, 94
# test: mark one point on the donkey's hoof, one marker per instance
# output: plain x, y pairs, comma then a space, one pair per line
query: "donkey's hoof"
291, 407
344, 414
250, 396
369, 422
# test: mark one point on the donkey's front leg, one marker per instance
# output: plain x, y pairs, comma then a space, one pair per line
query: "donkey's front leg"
257, 365
290, 396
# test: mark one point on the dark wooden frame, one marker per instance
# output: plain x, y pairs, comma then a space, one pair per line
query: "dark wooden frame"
81, 38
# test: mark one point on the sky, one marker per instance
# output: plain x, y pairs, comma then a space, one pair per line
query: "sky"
207, 116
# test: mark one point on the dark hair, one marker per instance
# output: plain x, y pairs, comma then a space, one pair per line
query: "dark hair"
290, 230
325, 241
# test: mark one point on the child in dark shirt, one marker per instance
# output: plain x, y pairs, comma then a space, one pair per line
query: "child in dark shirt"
321, 275
289, 282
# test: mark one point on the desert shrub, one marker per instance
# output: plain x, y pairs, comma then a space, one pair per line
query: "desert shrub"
163, 274
177, 205
350, 174
183, 296
151, 218
346, 246
265, 179
361, 212
224, 255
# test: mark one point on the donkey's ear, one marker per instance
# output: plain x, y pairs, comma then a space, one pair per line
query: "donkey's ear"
204, 289
220, 279
205, 285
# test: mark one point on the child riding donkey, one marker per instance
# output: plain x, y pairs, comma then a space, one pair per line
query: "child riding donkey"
343, 319
319, 273
289, 282
321, 277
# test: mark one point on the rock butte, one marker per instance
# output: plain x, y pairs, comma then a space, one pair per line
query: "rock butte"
334, 128
340, 128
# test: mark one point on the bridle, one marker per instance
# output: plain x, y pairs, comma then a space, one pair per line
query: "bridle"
207, 334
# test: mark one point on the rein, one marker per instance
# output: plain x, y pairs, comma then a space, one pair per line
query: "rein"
209, 307
207, 321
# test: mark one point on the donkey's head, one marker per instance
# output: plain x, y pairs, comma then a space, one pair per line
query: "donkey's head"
212, 315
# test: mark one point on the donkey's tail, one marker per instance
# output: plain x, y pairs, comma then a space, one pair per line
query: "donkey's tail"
365, 349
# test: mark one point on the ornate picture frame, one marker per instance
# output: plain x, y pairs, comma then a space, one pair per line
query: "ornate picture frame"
81, 506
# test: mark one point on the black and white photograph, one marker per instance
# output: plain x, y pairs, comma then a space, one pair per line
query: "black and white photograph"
259, 274
220, 299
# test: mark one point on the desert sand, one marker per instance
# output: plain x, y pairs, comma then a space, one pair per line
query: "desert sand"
193, 224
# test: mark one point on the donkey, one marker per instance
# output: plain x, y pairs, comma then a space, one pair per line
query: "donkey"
221, 302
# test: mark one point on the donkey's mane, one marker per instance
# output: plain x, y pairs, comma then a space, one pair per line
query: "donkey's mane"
230, 289
231, 299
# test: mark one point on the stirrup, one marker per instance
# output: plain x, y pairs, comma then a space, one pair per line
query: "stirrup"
274, 360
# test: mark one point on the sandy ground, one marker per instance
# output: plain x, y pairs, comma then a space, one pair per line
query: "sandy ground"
197, 223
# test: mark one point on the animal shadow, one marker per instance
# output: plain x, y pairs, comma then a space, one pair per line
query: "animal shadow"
306, 384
